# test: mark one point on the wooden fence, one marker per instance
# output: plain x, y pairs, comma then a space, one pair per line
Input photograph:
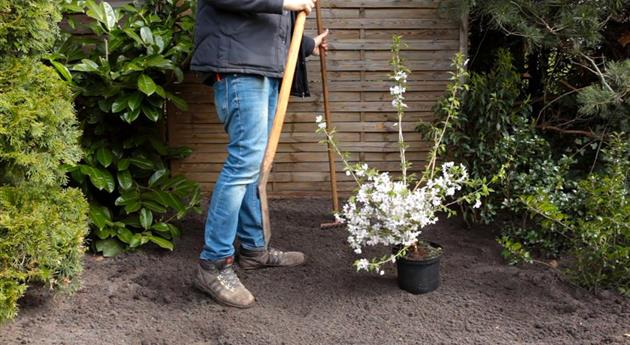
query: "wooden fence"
360, 103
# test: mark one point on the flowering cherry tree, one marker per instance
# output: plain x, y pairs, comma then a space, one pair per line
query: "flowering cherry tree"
392, 211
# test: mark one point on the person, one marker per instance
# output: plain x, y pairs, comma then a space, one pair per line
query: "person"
241, 48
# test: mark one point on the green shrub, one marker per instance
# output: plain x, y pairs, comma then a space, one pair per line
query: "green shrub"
38, 128
28, 27
42, 226
121, 73
596, 223
494, 131
41, 240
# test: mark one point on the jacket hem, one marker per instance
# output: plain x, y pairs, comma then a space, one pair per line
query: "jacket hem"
201, 68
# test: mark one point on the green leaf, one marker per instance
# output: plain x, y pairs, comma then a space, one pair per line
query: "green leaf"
174, 202
146, 85
179, 75
132, 206
125, 180
110, 16
146, 35
86, 65
104, 156
134, 36
161, 227
158, 61
130, 116
120, 104
179, 152
103, 12
142, 163
95, 11
164, 243
177, 101
123, 164
100, 216
146, 218
62, 69
157, 175
159, 42
104, 233
135, 241
135, 100
154, 206
125, 235
151, 113
175, 231
131, 221
100, 178
72, 7
110, 247
161, 92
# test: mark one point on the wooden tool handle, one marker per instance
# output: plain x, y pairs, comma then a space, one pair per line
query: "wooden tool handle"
332, 166
278, 121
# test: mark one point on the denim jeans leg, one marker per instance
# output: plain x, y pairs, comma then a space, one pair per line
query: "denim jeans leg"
242, 104
250, 230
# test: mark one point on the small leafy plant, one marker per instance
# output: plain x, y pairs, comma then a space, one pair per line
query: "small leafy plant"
121, 71
391, 211
597, 222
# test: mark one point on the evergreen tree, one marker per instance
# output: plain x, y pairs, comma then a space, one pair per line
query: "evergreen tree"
42, 224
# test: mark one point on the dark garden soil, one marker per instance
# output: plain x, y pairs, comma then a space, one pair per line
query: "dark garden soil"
147, 298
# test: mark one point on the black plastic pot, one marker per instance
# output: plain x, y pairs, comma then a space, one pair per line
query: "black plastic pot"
419, 276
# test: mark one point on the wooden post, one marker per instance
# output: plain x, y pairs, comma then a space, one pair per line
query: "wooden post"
278, 121
332, 166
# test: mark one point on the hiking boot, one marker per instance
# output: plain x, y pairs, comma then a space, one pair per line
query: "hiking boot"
218, 279
254, 259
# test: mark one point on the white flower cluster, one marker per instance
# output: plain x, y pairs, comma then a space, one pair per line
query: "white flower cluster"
320, 122
400, 76
399, 90
386, 212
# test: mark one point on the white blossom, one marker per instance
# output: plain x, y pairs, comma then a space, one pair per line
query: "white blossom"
397, 90
322, 125
362, 264
319, 119
400, 75
387, 212
477, 204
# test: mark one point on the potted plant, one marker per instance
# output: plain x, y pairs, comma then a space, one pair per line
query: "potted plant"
393, 211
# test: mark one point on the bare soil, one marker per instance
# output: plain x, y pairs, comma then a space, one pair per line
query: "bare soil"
146, 297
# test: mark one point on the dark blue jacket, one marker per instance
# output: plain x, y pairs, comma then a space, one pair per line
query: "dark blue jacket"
247, 36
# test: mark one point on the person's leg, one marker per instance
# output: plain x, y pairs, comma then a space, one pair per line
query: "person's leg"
253, 253
250, 229
242, 105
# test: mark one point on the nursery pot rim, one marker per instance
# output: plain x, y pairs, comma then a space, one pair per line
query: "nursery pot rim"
422, 261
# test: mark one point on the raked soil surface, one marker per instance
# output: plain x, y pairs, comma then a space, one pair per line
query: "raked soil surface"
147, 298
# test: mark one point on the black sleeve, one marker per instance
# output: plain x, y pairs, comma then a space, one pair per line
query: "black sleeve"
259, 6
308, 44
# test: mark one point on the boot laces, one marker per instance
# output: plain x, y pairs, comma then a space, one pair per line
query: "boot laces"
228, 278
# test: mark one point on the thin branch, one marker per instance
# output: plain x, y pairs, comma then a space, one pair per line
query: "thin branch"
590, 134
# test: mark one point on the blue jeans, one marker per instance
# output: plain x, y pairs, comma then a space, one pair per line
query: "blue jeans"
246, 106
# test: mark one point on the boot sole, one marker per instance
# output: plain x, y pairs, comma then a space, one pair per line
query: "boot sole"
252, 268
219, 301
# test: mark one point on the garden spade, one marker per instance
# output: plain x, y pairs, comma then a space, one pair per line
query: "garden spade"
278, 121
